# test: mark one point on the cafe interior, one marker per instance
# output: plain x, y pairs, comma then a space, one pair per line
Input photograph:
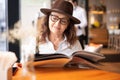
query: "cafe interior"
20, 18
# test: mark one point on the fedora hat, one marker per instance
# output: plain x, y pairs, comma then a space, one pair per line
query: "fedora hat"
63, 7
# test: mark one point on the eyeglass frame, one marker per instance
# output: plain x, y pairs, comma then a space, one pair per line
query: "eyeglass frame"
61, 19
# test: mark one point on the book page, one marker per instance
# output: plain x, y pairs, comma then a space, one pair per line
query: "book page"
89, 55
41, 57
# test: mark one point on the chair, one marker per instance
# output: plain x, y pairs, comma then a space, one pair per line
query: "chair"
7, 59
111, 38
117, 39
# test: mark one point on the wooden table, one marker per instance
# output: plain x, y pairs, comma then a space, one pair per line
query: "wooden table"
71, 74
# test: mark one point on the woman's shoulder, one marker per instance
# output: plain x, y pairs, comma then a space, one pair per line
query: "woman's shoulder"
77, 42
78, 45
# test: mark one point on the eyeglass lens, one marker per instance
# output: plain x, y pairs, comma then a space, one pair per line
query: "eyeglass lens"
55, 18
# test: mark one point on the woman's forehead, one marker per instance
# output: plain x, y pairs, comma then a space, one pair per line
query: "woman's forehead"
59, 14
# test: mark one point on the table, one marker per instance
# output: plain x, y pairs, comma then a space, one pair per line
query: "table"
72, 74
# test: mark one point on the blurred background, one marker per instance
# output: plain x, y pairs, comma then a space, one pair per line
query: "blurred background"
103, 18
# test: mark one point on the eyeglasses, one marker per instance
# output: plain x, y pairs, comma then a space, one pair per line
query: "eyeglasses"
55, 18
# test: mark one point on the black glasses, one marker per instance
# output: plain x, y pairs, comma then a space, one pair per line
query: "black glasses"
55, 18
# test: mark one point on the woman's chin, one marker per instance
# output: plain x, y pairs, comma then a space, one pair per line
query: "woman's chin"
57, 32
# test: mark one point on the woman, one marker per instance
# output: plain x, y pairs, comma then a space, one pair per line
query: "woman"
57, 34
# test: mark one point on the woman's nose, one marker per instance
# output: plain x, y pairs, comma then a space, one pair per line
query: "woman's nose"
57, 22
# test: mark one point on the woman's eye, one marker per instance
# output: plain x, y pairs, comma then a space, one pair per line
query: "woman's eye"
55, 18
64, 21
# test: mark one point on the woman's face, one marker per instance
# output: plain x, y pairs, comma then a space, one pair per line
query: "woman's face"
58, 23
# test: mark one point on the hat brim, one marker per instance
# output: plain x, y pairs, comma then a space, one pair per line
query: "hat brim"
48, 11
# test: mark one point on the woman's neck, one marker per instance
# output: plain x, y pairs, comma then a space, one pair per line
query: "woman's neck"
56, 39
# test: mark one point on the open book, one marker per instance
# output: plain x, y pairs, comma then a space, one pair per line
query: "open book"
78, 59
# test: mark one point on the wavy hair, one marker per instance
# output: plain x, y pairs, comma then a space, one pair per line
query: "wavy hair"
44, 31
